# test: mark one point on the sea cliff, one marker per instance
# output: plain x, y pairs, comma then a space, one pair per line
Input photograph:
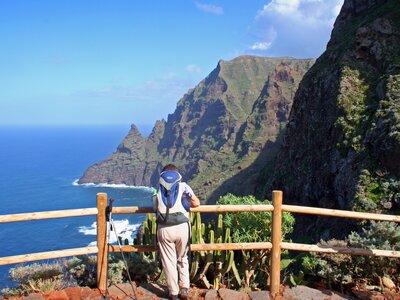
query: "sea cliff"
219, 128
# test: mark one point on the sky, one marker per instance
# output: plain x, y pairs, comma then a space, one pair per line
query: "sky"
103, 62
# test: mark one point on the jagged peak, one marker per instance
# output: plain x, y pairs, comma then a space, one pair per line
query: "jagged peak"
134, 131
157, 132
159, 125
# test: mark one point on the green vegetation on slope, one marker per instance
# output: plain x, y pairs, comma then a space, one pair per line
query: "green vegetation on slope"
217, 132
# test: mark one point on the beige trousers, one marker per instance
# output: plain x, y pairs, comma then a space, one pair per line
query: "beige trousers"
173, 246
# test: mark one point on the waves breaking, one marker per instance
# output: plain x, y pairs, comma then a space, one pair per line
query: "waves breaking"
122, 229
110, 185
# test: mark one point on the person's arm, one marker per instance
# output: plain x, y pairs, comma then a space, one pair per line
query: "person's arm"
194, 201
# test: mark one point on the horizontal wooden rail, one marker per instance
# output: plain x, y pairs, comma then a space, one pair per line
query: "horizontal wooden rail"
233, 208
195, 247
341, 250
8, 260
132, 210
232, 246
266, 245
199, 247
48, 215
339, 213
204, 208
132, 248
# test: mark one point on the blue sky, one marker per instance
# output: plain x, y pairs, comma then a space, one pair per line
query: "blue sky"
96, 62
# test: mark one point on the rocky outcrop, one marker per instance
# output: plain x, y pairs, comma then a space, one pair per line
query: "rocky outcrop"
217, 131
128, 164
342, 142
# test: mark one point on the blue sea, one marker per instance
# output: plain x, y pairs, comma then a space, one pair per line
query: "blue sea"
39, 167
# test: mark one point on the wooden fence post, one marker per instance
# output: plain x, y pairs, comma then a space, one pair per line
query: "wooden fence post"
276, 242
102, 242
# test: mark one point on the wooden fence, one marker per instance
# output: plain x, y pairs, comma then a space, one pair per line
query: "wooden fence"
276, 245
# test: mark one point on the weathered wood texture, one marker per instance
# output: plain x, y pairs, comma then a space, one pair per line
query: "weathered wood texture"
276, 242
196, 247
339, 213
204, 208
102, 242
342, 250
48, 215
8, 260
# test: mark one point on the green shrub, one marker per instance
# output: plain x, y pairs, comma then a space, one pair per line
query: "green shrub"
23, 273
253, 227
83, 270
377, 193
334, 268
38, 278
337, 269
144, 268
376, 235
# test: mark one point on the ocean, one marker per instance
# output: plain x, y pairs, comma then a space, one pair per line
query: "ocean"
39, 167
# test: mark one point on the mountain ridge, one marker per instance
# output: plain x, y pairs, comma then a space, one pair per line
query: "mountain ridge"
203, 134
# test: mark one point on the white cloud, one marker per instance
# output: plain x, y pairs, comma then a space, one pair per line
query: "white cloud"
299, 28
192, 68
209, 8
284, 7
260, 46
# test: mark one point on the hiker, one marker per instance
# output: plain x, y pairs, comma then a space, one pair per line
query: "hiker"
172, 203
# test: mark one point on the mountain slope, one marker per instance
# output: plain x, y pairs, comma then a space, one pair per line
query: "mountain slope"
216, 131
342, 145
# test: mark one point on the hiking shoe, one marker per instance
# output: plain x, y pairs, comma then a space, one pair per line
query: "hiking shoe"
184, 293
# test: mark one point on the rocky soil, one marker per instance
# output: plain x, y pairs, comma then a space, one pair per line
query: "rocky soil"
155, 292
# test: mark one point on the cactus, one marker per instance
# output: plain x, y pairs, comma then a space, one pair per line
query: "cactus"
224, 259
195, 258
214, 264
296, 280
201, 260
206, 267
236, 274
147, 231
220, 226
147, 235
223, 267
207, 262
194, 265
152, 220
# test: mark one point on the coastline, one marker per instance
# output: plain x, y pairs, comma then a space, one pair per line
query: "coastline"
111, 185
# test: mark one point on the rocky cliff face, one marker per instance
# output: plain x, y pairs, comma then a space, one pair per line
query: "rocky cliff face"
342, 145
217, 131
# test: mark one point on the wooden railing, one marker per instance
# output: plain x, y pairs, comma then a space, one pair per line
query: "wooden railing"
276, 244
